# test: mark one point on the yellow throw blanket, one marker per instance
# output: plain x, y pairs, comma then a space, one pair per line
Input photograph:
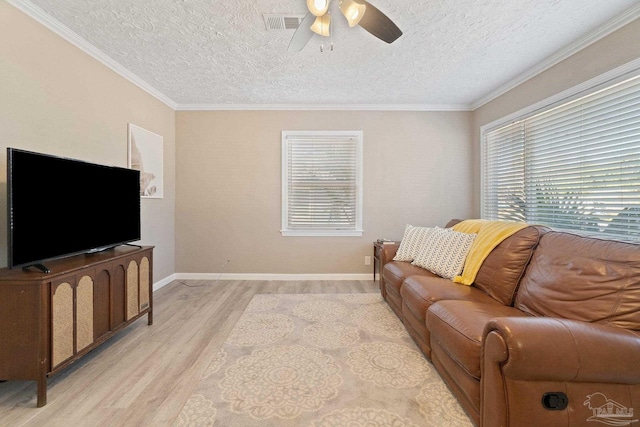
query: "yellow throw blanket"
489, 235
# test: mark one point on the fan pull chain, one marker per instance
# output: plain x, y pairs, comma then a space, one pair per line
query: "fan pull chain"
331, 38
331, 34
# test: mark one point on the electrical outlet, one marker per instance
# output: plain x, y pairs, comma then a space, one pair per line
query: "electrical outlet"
367, 260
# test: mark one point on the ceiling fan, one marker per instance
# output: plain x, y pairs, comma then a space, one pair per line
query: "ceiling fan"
357, 12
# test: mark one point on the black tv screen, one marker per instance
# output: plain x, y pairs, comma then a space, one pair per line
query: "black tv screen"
59, 207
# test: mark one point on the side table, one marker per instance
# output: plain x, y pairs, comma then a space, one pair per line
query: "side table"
377, 262
377, 249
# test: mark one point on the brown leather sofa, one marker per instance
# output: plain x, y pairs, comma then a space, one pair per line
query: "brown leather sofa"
548, 334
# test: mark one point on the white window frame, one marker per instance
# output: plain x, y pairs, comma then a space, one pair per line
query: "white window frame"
626, 72
356, 136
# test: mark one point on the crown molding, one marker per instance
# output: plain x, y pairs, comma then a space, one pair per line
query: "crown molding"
629, 70
604, 30
72, 37
67, 34
323, 107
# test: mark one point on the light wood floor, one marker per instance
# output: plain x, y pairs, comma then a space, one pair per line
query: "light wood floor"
143, 375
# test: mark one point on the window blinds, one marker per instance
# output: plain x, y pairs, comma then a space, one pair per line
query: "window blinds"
321, 182
574, 167
503, 168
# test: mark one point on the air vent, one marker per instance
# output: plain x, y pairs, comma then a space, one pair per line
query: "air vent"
282, 22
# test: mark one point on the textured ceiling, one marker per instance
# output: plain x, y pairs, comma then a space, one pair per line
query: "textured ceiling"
452, 53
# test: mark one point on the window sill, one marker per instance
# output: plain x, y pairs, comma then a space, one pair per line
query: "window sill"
322, 233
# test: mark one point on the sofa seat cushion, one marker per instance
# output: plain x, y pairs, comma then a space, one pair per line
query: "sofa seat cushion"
395, 272
420, 292
457, 326
585, 279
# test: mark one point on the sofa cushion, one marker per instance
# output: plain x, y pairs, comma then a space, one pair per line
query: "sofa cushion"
582, 278
489, 235
444, 252
395, 272
457, 326
503, 268
420, 292
412, 242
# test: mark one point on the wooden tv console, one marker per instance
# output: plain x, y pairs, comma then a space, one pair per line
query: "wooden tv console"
48, 321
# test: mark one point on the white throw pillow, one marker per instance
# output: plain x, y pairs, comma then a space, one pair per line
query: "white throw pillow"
444, 252
412, 242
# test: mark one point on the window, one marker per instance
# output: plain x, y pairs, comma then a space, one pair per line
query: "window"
574, 166
321, 183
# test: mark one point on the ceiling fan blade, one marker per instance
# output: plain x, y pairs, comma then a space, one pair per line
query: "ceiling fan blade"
378, 24
303, 34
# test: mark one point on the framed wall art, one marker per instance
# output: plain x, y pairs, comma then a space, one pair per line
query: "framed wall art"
145, 155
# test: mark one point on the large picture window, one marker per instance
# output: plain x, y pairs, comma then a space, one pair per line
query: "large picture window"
573, 166
321, 183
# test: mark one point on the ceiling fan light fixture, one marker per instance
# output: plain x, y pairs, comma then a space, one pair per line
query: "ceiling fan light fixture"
318, 7
353, 11
321, 25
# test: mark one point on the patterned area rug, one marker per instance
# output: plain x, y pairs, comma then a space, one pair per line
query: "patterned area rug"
320, 360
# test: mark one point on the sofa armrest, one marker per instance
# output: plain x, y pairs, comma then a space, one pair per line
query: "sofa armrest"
524, 358
552, 349
387, 252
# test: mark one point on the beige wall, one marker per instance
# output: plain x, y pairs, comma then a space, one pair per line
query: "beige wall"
618, 48
56, 99
228, 195
222, 178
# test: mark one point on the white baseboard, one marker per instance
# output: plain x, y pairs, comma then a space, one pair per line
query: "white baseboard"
258, 276
270, 276
164, 282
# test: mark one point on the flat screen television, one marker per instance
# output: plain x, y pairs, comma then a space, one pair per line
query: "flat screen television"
58, 207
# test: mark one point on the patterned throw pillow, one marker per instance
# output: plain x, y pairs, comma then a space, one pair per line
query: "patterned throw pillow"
444, 252
412, 242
